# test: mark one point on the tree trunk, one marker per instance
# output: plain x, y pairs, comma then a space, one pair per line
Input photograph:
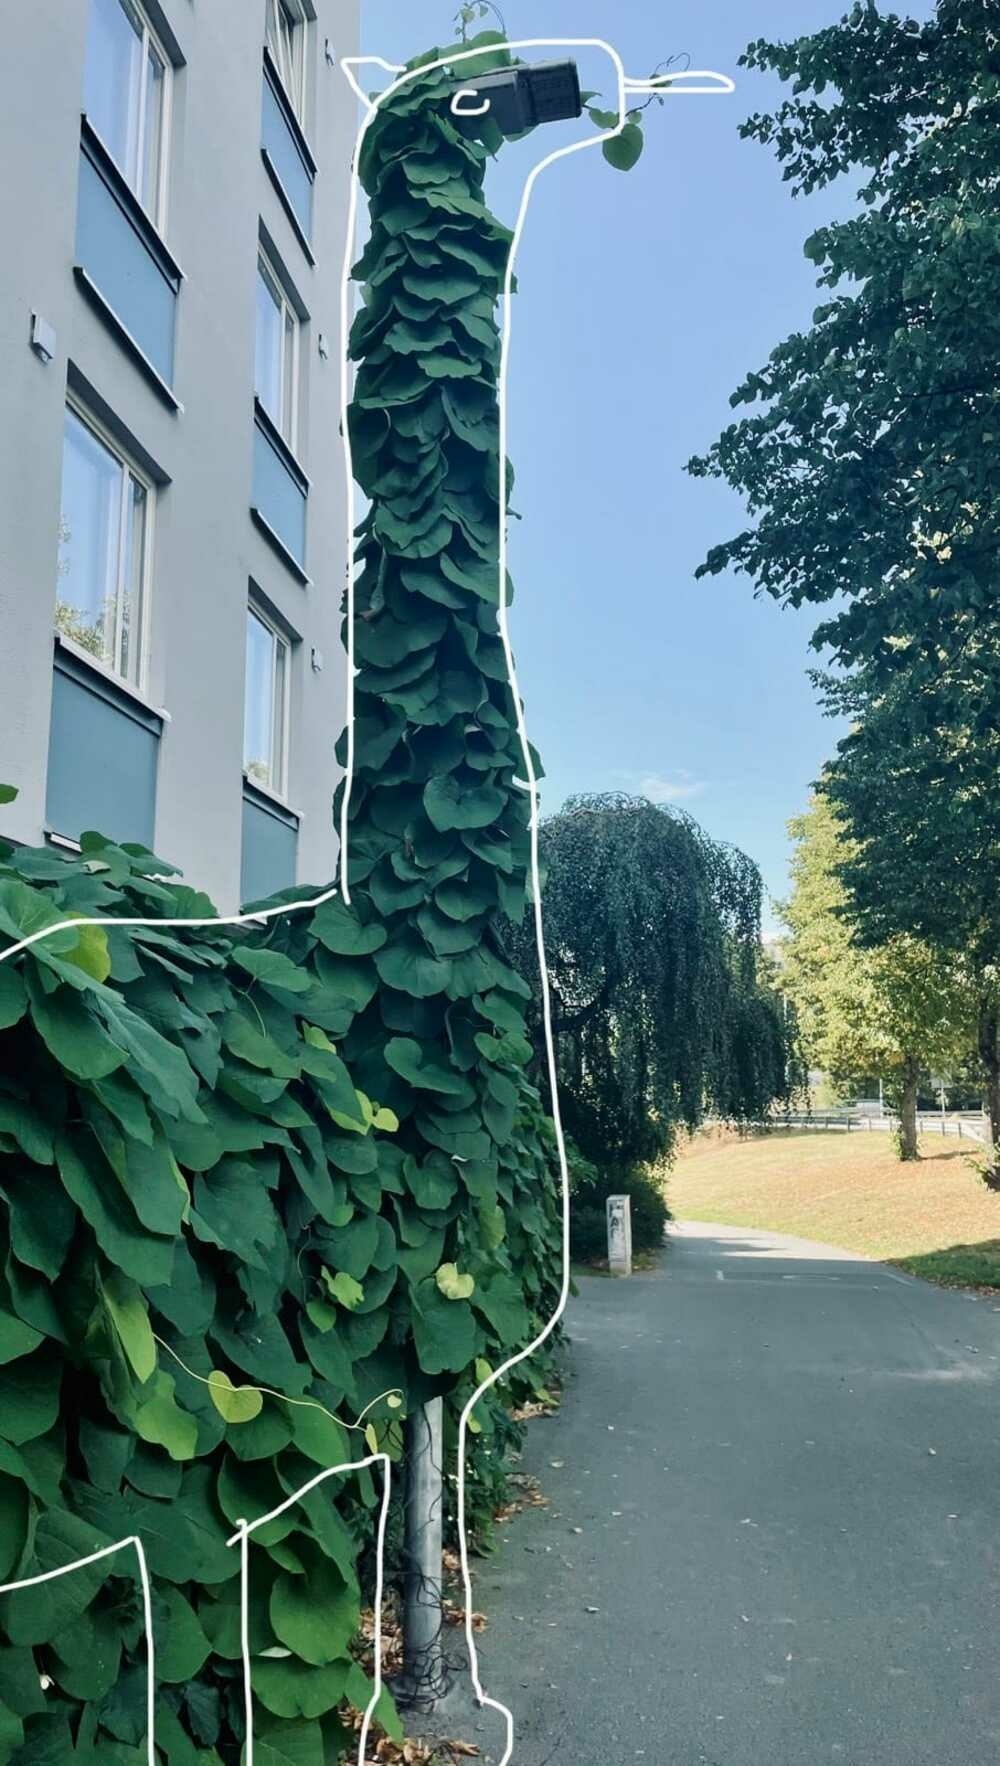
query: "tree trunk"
989, 1054
908, 1110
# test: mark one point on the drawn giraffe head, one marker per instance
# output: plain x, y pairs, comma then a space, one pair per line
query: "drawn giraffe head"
472, 101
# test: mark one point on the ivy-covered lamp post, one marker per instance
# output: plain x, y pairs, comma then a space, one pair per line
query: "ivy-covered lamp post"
435, 817
438, 828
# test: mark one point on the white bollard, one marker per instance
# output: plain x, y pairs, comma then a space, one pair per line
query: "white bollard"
619, 1209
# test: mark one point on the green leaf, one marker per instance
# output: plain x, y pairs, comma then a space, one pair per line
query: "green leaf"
292, 1744
36, 1615
319, 1436
29, 1396
130, 1318
407, 1058
500, 1300
8, 793
444, 1331
291, 1688
182, 1648
405, 965
344, 1288
341, 930
13, 997
256, 1048
157, 1065
453, 1285
450, 804
624, 150
14, 1513
90, 953
24, 1124
332, 1080
237, 1404
143, 1256
160, 1420
66, 1023
315, 1616
232, 1210
273, 969
16, 1337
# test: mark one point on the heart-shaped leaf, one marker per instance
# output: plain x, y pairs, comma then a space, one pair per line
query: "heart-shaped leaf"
237, 1404
453, 1285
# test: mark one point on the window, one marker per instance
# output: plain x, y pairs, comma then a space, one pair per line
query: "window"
126, 98
266, 704
286, 40
104, 549
277, 367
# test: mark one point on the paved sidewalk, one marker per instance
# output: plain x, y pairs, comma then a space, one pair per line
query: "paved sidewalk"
772, 1537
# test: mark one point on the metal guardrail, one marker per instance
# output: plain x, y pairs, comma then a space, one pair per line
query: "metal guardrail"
964, 1127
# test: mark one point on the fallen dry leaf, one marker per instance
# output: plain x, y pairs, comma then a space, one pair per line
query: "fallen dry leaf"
454, 1614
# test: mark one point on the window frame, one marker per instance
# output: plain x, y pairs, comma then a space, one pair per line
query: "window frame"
277, 786
157, 215
137, 681
267, 272
300, 21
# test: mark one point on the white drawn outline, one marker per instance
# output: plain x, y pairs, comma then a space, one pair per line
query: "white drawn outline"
668, 84
661, 84
147, 1611
242, 1539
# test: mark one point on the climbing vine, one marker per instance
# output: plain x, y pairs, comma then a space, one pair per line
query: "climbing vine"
304, 1158
265, 1188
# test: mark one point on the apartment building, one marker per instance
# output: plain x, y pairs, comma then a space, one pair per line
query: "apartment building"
172, 508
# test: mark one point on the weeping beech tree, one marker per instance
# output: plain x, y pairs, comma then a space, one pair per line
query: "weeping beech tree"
662, 1009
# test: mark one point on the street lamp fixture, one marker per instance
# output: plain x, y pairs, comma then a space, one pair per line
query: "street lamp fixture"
519, 98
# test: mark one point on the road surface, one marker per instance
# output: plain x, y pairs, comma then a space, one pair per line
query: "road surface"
772, 1536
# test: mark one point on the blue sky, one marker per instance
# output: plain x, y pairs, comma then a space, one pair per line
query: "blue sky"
644, 298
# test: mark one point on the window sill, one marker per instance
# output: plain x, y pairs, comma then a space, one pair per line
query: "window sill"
265, 421
288, 206
288, 558
89, 289
129, 201
251, 786
62, 840
93, 666
270, 804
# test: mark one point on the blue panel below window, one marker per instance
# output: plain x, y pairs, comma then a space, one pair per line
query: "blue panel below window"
113, 250
285, 158
270, 844
102, 758
279, 493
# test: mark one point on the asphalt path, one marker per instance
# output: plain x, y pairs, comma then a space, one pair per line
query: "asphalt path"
772, 1531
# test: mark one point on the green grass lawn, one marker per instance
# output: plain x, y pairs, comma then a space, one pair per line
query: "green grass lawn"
933, 1217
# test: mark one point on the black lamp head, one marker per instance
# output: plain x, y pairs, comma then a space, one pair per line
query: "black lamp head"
519, 98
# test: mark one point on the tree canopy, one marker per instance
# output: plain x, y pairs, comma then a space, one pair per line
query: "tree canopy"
661, 1007
868, 462
890, 1011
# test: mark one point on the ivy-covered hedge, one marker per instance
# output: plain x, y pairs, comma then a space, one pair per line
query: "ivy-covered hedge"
191, 1182
304, 1156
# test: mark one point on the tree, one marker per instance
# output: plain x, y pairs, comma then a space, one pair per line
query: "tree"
919, 793
654, 960
870, 465
894, 1010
